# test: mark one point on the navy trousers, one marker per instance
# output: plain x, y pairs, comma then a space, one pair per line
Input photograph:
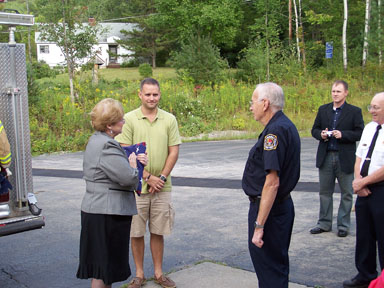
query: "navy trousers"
271, 262
369, 230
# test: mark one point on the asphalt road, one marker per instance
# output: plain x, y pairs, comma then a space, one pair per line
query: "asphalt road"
211, 221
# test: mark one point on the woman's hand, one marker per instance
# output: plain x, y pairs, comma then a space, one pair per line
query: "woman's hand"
143, 158
132, 160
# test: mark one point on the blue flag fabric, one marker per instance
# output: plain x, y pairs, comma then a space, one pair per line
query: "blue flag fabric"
137, 149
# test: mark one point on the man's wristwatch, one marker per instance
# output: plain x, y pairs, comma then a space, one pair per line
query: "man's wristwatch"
162, 177
257, 225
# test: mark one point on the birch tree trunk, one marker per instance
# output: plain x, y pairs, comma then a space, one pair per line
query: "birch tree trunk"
290, 21
345, 59
366, 31
29, 38
69, 62
297, 31
302, 36
267, 36
379, 31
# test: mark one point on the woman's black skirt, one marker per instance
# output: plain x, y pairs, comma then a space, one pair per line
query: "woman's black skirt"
104, 247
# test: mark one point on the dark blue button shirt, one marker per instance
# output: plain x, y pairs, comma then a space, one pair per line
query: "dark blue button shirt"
278, 148
332, 144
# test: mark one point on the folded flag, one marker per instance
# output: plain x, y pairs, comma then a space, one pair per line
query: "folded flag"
138, 148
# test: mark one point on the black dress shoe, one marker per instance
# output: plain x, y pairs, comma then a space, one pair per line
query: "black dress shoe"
342, 233
317, 230
355, 283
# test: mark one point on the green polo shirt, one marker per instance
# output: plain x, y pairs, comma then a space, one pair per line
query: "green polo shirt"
158, 136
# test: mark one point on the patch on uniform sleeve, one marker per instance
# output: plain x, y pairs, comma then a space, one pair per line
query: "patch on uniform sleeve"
270, 142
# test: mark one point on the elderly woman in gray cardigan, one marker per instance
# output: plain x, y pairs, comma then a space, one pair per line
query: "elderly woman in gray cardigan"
109, 201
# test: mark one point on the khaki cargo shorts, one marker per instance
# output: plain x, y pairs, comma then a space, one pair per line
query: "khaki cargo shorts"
157, 210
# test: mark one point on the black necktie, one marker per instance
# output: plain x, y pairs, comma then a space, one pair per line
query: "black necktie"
365, 167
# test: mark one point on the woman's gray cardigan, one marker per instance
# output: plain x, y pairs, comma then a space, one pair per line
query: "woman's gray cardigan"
110, 180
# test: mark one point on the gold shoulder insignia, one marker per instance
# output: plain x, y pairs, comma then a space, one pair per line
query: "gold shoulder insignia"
270, 142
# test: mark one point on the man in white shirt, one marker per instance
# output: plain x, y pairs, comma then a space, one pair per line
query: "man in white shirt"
369, 187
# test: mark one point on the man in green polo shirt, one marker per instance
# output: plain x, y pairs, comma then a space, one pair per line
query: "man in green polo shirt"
159, 130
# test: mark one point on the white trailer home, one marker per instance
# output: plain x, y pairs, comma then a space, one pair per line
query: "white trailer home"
107, 47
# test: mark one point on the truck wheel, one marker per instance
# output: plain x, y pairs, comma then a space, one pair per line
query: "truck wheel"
36, 211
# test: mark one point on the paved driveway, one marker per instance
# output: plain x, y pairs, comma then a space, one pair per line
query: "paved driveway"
211, 221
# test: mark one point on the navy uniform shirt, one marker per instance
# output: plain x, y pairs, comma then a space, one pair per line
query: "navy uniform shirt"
278, 148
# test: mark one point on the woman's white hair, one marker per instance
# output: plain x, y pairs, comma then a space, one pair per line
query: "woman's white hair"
273, 92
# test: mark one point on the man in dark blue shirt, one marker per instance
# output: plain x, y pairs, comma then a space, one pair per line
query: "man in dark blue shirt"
338, 125
271, 173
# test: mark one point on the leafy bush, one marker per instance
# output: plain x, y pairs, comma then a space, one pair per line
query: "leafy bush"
145, 70
130, 63
252, 67
60, 69
42, 70
199, 61
238, 124
87, 67
33, 87
192, 127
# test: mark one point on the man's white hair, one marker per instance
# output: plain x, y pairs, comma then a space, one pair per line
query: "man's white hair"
273, 92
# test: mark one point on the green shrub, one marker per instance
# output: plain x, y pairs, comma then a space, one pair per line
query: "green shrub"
145, 70
130, 63
252, 67
42, 70
87, 67
238, 124
33, 87
60, 69
199, 61
192, 127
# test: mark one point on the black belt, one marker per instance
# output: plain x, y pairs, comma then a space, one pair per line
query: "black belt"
256, 199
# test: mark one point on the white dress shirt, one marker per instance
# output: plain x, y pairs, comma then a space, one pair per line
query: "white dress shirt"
377, 158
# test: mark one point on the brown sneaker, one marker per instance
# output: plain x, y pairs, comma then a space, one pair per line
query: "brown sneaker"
165, 282
137, 282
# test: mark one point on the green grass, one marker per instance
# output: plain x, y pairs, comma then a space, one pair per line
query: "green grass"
126, 74
59, 125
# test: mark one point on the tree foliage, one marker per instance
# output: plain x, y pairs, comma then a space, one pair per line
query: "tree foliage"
199, 60
148, 38
63, 24
163, 26
220, 20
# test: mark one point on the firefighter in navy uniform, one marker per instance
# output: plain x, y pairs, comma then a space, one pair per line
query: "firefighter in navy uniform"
271, 173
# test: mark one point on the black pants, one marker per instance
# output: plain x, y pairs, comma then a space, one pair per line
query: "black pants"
369, 230
271, 262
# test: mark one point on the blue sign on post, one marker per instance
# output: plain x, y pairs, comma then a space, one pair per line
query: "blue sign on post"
328, 50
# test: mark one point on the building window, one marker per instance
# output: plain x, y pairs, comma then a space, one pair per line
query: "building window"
44, 49
112, 53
